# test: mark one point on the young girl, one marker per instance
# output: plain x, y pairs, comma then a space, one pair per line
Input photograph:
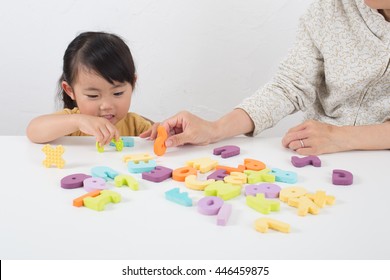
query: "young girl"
338, 73
96, 87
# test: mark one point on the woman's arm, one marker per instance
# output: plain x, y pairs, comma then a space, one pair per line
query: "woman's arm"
320, 138
368, 137
186, 128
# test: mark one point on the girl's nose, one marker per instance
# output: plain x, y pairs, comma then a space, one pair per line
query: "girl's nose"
105, 104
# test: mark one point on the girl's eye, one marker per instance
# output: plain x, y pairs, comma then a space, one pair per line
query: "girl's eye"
92, 96
118, 93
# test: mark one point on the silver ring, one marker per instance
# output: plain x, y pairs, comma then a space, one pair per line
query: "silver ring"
302, 144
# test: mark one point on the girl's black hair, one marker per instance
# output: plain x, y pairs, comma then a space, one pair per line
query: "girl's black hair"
104, 53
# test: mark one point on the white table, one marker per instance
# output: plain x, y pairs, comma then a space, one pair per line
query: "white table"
38, 220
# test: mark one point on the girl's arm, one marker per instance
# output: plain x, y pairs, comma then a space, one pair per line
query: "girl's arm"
320, 138
47, 128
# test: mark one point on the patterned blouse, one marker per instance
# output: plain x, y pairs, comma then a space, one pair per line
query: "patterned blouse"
338, 71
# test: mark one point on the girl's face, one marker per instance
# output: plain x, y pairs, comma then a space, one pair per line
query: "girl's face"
97, 97
378, 4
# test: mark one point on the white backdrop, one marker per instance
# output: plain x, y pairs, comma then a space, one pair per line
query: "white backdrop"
199, 55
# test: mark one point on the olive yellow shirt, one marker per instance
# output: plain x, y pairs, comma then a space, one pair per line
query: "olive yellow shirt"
132, 125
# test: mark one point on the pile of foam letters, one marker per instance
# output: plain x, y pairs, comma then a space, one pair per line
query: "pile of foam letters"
252, 178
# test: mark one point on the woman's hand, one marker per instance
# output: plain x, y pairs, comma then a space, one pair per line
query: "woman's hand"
151, 133
315, 138
184, 128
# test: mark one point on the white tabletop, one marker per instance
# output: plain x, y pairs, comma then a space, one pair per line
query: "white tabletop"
38, 220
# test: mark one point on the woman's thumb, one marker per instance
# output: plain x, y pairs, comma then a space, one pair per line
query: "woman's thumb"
175, 140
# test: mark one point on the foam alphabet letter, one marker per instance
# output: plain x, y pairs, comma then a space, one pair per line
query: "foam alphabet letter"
259, 176
284, 176
79, 201
203, 164
320, 198
99, 202
158, 174
235, 178
309, 160
291, 192
53, 156
159, 144
253, 164
141, 166
229, 169
269, 190
127, 141
103, 172
304, 204
176, 196
192, 183
210, 205
223, 190
263, 224
262, 205
227, 151
94, 183
126, 180
342, 177
224, 214
180, 174
73, 181
218, 174
137, 157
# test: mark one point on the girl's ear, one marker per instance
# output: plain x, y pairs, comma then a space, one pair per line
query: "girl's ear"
68, 89
135, 81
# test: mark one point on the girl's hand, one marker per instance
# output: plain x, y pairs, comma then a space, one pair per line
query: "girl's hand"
315, 138
101, 128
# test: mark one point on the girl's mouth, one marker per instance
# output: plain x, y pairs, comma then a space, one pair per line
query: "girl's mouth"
108, 117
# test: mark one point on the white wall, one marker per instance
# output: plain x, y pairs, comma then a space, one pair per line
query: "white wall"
200, 55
